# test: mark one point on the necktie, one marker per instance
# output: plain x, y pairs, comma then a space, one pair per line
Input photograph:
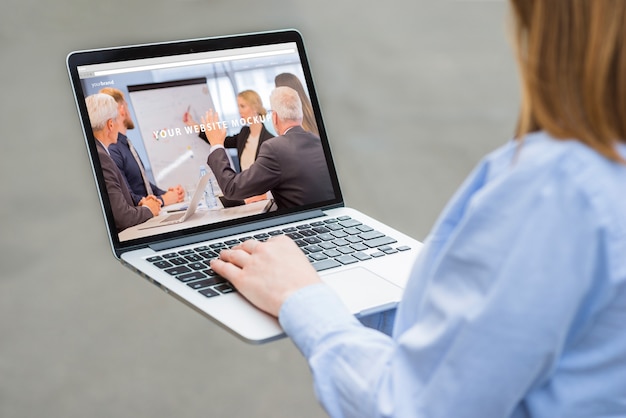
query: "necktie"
146, 183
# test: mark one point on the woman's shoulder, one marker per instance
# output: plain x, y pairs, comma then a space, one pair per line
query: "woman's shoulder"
539, 163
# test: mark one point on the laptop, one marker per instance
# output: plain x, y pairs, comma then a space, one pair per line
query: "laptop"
181, 216
365, 261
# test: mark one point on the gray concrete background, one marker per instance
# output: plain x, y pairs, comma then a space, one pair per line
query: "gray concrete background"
413, 93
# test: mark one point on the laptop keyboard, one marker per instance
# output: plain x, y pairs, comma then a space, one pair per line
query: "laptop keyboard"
327, 243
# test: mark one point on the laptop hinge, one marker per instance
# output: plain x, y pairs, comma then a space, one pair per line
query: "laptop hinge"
268, 223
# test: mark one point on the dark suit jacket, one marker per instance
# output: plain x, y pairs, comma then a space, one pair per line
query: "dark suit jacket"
120, 153
125, 213
239, 141
291, 166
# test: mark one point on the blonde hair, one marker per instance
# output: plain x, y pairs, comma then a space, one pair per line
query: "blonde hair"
254, 100
115, 93
572, 58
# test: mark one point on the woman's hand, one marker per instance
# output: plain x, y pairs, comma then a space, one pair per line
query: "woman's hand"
266, 273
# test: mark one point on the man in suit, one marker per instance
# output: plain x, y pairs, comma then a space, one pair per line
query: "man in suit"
103, 115
129, 163
291, 166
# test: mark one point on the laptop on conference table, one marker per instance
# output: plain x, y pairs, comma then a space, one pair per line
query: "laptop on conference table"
364, 260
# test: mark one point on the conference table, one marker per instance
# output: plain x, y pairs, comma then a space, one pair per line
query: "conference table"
202, 216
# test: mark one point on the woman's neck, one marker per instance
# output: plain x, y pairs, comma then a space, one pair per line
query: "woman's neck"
255, 128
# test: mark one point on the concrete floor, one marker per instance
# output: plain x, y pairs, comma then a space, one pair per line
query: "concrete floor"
413, 93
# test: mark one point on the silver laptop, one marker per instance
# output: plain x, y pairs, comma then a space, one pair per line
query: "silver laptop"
165, 85
181, 215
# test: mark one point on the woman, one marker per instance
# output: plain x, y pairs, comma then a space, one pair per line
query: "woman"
249, 139
516, 304
290, 80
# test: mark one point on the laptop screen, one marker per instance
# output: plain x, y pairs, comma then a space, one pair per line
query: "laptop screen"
163, 142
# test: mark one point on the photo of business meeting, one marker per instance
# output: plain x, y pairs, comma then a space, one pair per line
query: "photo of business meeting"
248, 124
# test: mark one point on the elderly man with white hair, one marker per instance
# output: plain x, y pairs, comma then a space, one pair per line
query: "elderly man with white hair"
291, 166
103, 115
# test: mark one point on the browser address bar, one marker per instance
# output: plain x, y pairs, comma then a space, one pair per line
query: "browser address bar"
161, 66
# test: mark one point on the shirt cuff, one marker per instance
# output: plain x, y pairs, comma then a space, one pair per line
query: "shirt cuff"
214, 147
312, 313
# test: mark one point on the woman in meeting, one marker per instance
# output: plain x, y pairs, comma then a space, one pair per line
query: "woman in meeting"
516, 304
249, 139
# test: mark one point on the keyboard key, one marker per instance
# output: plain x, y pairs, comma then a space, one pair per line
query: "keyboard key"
211, 273
341, 242
162, 264
334, 227
211, 281
339, 234
313, 249
371, 235
346, 259
197, 285
153, 259
189, 277
325, 264
345, 250
175, 271
193, 258
196, 266
379, 242
359, 247
178, 261
225, 288
318, 256
332, 253
208, 292
209, 254
361, 256
349, 223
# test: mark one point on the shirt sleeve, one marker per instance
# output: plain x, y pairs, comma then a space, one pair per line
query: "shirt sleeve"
484, 320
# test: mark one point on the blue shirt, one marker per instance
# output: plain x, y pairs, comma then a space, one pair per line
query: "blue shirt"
516, 306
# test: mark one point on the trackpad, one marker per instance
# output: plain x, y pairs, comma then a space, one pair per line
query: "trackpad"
363, 291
